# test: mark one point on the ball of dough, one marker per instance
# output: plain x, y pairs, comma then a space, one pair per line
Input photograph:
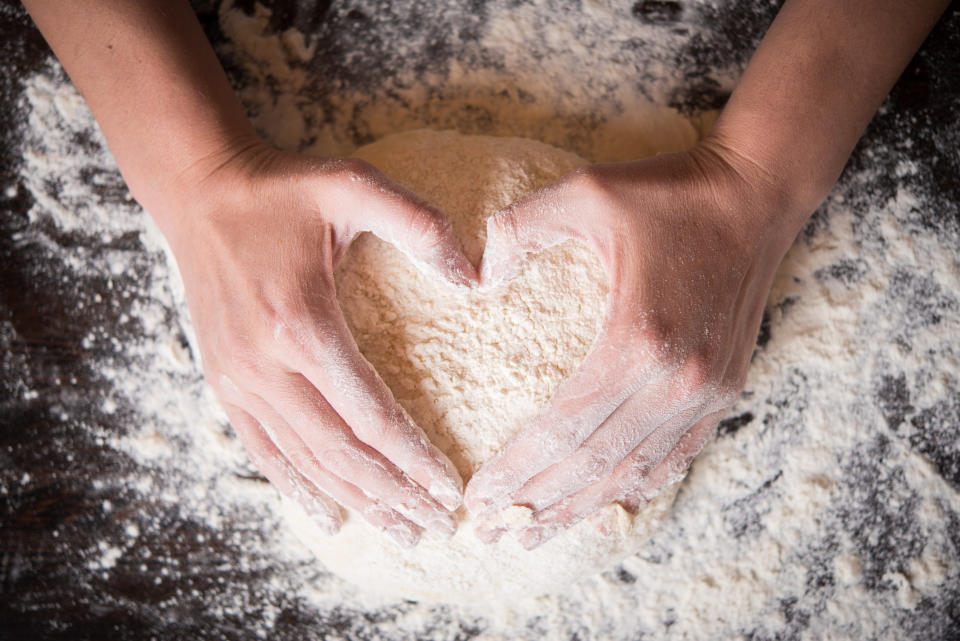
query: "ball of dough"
471, 369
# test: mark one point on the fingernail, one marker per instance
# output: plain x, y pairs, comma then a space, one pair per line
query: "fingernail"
406, 537
317, 510
445, 526
552, 517
534, 537
327, 525
488, 533
476, 503
446, 493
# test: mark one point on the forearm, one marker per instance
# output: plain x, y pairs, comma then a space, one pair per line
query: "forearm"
154, 85
811, 88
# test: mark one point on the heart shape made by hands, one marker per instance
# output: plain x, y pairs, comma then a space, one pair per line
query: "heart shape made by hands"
471, 367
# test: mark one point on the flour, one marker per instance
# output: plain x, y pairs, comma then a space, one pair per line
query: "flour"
826, 508
469, 92
472, 368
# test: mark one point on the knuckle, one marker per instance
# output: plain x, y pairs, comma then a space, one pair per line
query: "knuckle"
697, 374
289, 326
701, 369
589, 178
385, 422
245, 363
594, 466
727, 394
561, 443
338, 460
289, 309
653, 352
382, 432
432, 226
351, 168
595, 186
285, 335
704, 381
638, 469
304, 327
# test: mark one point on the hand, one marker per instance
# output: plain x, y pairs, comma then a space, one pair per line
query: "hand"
257, 245
690, 265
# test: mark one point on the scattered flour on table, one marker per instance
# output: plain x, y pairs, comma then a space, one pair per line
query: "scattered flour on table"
778, 518
547, 94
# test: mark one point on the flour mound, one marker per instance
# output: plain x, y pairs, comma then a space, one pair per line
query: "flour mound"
472, 368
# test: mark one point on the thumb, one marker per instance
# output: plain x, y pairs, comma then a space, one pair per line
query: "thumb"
421, 231
536, 222
425, 235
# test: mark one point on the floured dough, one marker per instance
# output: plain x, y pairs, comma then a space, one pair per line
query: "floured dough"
471, 369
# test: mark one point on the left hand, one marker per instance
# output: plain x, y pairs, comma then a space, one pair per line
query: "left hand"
257, 241
690, 243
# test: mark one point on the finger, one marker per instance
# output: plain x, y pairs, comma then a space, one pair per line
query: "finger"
536, 222
574, 412
302, 463
599, 456
329, 358
658, 453
421, 231
651, 408
673, 468
282, 475
490, 531
579, 406
337, 449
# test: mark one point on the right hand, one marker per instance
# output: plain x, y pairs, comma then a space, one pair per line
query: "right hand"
690, 243
256, 241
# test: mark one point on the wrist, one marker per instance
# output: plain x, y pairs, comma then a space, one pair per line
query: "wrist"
768, 207
218, 177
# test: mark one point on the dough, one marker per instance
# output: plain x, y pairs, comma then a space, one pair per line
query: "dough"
471, 369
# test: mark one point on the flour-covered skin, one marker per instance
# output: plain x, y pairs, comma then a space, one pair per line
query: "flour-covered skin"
689, 276
472, 367
690, 243
315, 416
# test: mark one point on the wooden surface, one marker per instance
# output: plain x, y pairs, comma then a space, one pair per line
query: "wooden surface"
55, 475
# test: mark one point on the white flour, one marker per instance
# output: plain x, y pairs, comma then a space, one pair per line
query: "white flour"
471, 369
781, 521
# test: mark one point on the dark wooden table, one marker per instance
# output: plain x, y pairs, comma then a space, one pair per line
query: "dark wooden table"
56, 475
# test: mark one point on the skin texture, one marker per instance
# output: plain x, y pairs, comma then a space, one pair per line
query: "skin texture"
317, 419
256, 234
650, 393
690, 241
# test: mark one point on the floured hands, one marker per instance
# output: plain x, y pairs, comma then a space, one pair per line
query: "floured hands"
257, 249
689, 269
690, 242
